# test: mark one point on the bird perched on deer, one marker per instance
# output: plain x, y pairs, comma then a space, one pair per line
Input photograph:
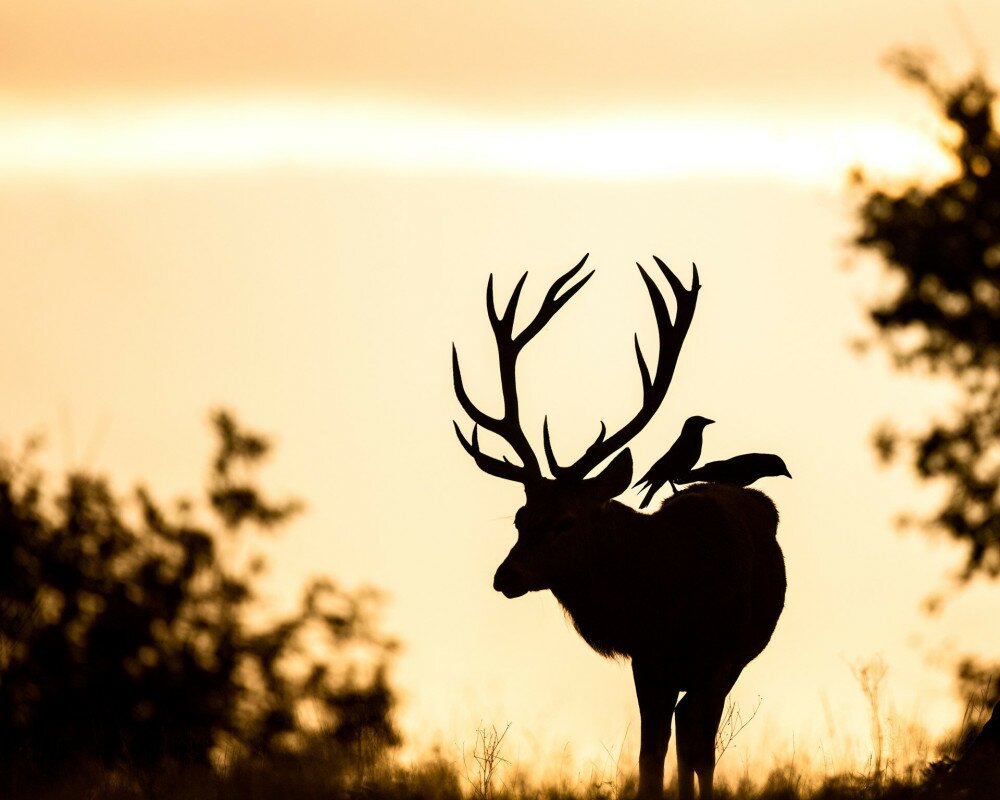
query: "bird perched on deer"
738, 470
677, 461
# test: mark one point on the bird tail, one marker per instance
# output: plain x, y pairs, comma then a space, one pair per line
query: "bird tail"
649, 495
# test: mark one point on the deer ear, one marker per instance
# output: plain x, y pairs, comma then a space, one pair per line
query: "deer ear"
616, 477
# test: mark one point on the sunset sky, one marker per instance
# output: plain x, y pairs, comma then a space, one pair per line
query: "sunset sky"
291, 209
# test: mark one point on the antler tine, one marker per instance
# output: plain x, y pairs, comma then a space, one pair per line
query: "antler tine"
557, 470
654, 389
509, 346
476, 414
506, 427
550, 456
511, 310
647, 383
503, 323
493, 466
552, 303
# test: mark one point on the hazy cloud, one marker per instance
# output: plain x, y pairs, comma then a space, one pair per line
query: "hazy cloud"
516, 53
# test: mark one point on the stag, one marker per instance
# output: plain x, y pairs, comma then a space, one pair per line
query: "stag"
690, 593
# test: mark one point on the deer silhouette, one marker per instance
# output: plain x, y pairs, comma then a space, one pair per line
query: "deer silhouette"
691, 593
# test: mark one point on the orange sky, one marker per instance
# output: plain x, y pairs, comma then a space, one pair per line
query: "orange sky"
292, 209
519, 54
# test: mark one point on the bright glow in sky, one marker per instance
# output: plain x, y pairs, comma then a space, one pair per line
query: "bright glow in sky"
226, 135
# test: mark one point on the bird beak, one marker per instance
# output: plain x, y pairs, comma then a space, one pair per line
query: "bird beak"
789, 474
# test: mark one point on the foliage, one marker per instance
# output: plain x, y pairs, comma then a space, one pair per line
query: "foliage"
979, 690
940, 245
123, 632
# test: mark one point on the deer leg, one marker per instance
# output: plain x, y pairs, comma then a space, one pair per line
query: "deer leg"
698, 715
657, 698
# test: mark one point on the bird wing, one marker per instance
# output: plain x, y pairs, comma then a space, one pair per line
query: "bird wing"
706, 472
741, 470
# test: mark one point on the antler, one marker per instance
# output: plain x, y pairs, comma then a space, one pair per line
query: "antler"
509, 346
654, 389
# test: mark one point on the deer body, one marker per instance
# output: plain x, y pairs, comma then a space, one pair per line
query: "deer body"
693, 584
690, 593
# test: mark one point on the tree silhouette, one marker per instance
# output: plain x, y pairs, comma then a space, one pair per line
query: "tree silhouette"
123, 632
940, 246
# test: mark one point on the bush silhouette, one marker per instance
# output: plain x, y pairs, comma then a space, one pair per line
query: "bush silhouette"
123, 635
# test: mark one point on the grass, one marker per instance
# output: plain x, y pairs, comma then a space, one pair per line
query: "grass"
898, 768
487, 776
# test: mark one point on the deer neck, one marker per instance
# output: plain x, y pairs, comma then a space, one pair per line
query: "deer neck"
590, 591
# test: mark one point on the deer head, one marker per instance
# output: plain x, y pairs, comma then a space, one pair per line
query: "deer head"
560, 511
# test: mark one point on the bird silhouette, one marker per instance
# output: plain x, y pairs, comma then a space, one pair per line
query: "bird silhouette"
738, 470
677, 461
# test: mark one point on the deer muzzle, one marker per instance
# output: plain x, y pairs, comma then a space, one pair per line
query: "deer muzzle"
510, 581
